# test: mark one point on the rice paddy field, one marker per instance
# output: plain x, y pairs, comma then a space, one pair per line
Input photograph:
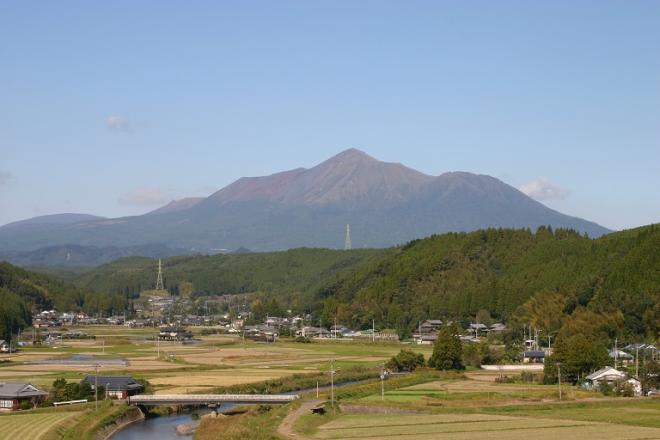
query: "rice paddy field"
475, 426
475, 407
32, 426
212, 361
460, 406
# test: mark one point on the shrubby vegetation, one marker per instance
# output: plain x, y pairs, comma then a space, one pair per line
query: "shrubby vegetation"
406, 360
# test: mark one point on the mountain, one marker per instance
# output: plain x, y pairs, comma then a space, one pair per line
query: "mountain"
385, 204
75, 256
177, 205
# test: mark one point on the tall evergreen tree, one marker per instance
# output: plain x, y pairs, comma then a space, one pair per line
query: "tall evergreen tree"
447, 351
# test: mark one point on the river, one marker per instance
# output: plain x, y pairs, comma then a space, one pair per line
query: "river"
164, 427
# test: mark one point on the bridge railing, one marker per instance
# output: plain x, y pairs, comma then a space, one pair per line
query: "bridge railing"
212, 398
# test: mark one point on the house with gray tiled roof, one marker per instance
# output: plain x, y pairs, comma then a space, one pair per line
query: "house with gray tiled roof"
13, 394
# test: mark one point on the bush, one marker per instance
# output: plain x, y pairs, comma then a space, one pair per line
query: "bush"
303, 340
406, 360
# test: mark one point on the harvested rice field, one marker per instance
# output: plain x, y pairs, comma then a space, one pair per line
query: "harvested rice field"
33, 426
475, 426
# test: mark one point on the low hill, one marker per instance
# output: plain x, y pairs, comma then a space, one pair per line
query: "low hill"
501, 271
296, 271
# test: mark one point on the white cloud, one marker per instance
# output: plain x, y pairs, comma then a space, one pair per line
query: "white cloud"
145, 196
117, 123
5, 178
543, 189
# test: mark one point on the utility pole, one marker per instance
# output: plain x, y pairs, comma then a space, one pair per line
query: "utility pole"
382, 382
616, 352
96, 387
373, 330
637, 363
332, 385
559, 378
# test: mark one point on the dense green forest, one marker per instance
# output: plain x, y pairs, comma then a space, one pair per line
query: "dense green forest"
549, 279
296, 271
22, 290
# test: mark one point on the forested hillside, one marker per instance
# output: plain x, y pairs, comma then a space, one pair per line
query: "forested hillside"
292, 272
515, 275
558, 280
22, 290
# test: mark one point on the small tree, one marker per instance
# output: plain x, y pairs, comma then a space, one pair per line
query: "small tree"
579, 356
447, 351
406, 360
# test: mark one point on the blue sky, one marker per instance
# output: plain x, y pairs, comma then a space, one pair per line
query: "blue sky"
113, 108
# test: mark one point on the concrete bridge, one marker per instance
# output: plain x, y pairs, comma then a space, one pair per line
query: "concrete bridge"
210, 399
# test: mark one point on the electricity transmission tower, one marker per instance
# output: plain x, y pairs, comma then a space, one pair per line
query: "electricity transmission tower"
347, 244
159, 280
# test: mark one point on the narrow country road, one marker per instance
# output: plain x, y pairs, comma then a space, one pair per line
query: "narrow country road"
286, 427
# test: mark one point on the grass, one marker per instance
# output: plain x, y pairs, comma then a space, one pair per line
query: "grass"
33, 426
256, 424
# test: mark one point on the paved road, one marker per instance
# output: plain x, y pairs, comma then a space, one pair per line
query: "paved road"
286, 427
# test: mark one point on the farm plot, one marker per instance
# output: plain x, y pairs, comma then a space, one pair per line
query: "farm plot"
192, 381
474, 427
32, 426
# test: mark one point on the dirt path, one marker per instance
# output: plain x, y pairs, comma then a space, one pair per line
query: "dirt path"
286, 427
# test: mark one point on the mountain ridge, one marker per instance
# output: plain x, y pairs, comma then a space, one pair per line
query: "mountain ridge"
385, 203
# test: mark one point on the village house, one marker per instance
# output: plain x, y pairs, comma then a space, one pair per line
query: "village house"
498, 327
174, 334
612, 377
478, 327
14, 394
621, 356
427, 331
119, 387
313, 332
533, 357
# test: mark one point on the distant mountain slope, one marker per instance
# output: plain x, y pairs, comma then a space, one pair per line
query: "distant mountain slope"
54, 219
385, 204
76, 256
177, 205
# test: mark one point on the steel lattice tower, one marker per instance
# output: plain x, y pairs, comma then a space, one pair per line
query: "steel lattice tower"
159, 280
347, 244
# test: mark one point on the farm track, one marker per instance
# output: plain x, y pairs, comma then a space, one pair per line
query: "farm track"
286, 427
